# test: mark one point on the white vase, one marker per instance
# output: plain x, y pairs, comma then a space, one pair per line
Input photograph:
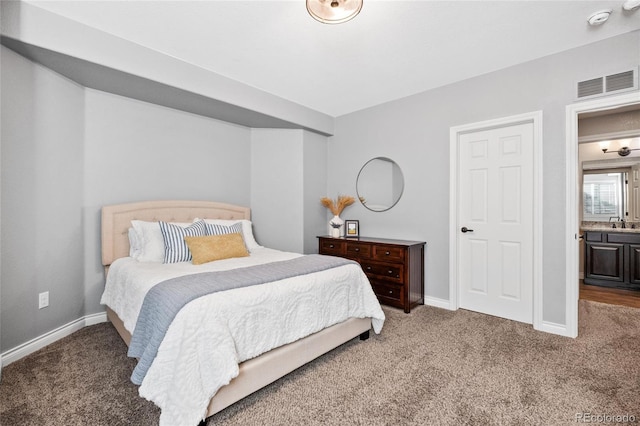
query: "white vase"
336, 231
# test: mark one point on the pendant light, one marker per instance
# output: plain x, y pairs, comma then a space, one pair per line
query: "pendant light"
333, 11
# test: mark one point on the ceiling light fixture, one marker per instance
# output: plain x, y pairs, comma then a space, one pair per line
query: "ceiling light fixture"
622, 152
333, 11
600, 17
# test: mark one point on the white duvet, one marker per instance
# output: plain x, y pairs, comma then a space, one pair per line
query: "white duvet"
211, 335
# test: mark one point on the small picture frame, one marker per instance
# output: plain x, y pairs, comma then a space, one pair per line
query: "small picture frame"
351, 228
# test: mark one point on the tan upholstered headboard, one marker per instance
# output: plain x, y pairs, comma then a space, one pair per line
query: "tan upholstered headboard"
116, 220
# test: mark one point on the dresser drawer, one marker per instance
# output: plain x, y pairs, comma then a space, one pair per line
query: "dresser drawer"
387, 253
395, 268
358, 251
392, 294
389, 271
332, 247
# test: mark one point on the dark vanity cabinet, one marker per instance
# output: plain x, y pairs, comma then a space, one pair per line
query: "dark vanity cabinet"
612, 259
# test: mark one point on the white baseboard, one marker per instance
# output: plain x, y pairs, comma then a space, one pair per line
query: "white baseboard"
438, 303
94, 319
40, 342
554, 328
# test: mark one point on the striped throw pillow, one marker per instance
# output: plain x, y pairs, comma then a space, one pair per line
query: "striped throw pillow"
215, 229
175, 247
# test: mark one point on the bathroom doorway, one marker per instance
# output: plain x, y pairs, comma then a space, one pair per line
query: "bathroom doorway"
609, 203
574, 113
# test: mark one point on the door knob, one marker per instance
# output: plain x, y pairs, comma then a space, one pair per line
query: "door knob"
464, 230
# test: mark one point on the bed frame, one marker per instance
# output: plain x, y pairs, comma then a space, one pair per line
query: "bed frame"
255, 373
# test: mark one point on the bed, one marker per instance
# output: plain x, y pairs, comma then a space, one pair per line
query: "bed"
252, 373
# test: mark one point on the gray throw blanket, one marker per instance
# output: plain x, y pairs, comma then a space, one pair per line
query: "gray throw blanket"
164, 300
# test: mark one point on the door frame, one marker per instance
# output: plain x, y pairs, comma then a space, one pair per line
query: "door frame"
572, 190
535, 118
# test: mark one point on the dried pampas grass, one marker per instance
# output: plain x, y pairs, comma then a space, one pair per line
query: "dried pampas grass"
338, 205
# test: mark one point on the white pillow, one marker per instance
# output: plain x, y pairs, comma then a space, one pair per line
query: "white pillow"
247, 230
150, 240
134, 244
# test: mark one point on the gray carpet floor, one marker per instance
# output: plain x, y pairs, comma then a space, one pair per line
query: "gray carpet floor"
430, 367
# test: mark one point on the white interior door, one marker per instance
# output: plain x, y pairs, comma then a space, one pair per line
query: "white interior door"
495, 219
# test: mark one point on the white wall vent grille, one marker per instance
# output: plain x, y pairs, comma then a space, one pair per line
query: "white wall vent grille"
619, 82
590, 87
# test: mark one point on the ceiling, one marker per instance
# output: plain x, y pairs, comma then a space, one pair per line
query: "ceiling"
391, 50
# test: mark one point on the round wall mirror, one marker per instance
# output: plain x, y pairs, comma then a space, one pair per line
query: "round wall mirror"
380, 184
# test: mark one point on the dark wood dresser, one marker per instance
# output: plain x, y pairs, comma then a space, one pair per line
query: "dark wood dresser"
395, 268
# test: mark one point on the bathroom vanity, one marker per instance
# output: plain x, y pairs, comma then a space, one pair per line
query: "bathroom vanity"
612, 258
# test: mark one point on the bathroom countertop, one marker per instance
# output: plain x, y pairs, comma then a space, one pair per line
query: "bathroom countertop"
607, 227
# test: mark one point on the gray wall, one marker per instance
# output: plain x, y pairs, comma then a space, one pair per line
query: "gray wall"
138, 151
42, 170
277, 188
414, 131
288, 178
316, 217
66, 152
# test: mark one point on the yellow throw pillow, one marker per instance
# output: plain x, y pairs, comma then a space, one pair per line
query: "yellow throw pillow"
216, 247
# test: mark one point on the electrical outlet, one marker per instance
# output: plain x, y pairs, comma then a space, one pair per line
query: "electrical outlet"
43, 300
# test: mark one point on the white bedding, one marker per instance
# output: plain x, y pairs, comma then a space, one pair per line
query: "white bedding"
211, 335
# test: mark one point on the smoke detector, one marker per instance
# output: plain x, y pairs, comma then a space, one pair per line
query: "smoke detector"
600, 17
631, 5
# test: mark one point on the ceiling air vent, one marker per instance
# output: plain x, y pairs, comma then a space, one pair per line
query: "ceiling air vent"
590, 87
619, 82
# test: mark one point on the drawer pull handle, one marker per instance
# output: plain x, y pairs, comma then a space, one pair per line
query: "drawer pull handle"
390, 291
330, 245
387, 253
390, 272
368, 268
357, 249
